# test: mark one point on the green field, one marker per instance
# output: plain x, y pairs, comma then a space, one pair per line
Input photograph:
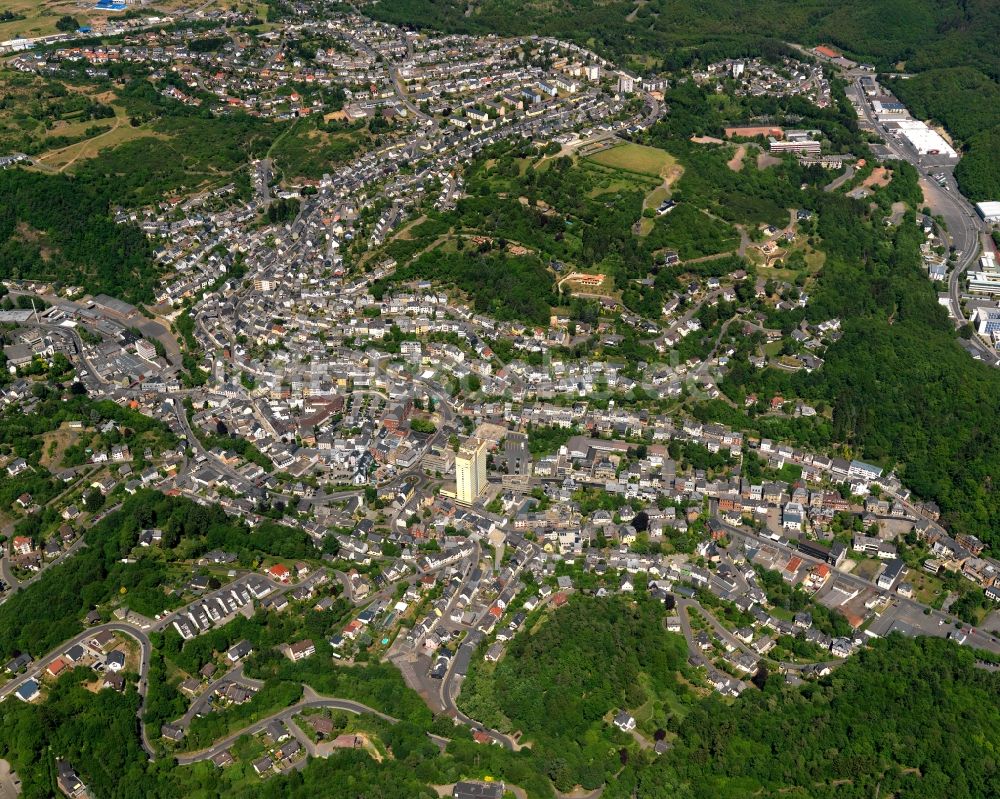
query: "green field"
636, 158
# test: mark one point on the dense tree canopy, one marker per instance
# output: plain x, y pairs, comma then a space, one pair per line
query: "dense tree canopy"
912, 35
910, 718
560, 681
921, 33
36, 620
54, 227
902, 390
945, 95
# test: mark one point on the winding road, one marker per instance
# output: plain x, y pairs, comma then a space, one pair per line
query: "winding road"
38, 667
202, 703
964, 226
684, 605
310, 699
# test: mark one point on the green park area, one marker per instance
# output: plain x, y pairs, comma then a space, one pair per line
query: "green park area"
636, 158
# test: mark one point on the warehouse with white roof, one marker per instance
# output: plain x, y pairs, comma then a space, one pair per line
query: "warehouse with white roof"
924, 140
989, 211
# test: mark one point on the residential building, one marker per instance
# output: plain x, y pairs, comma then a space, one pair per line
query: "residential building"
470, 471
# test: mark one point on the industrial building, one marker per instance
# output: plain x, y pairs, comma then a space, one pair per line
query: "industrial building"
987, 322
989, 211
987, 279
924, 140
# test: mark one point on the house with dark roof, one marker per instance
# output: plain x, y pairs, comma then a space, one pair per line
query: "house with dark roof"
28, 691
116, 660
477, 790
263, 766
239, 651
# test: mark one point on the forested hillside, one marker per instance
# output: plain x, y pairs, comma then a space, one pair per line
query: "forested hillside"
53, 227
890, 717
34, 621
561, 683
923, 34
946, 95
905, 718
901, 389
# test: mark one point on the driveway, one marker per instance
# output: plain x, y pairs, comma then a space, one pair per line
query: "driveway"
10, 784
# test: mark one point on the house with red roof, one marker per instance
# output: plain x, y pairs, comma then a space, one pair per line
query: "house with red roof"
279, 572
57, 666
22, 545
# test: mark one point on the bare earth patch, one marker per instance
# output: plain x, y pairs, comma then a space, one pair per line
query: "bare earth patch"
764, 161
879, 177
736, 162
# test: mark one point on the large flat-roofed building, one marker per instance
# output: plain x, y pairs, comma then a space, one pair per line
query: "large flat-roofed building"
924, 140
989, 211
808, 147
106, 303
987, 321
987, 279
470, 471
796, 141
984, 282
888, 107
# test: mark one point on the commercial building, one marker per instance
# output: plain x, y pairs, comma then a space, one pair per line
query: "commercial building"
987, 279
987, 321
470, 471
924, 140
888, 107
989, 211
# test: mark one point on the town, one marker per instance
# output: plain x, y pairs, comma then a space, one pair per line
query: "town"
456, 473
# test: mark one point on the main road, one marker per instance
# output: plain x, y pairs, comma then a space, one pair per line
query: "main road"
964, 227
